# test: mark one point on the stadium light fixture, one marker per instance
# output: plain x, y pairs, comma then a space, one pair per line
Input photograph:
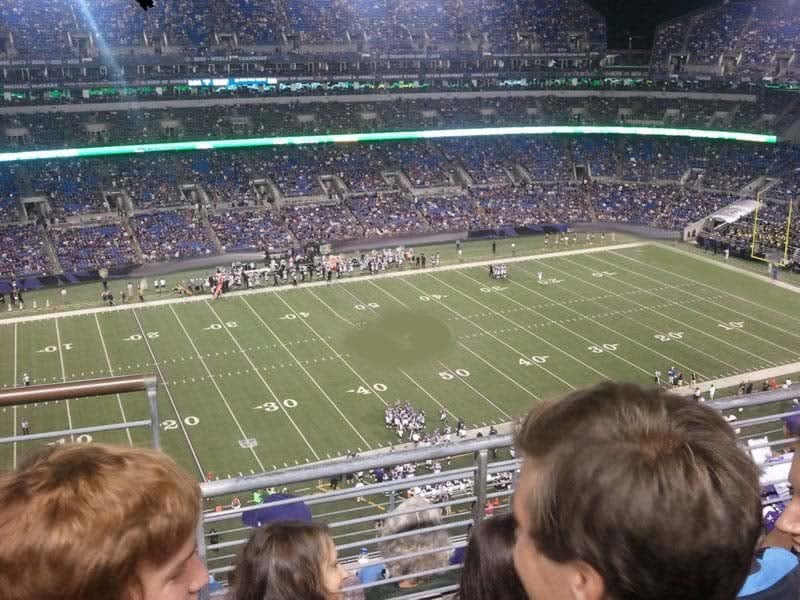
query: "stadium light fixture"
97, 151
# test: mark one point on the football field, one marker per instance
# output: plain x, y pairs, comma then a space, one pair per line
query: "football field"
268, 378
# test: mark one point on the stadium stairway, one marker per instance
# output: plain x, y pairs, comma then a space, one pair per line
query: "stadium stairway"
203, 214
137, 249
52, 257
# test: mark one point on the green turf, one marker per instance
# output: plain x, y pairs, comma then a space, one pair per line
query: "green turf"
288, 370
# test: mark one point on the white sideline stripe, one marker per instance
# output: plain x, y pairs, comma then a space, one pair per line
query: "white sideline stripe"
490, 334
593, 320
731, 267
728, 308
478, 356
15, 385
216, 386
64, 378
744, 331
331, 348
111, 372
527, 331
278, 401
734, 380
320, 283
567, 329
310, 377
699, 330
642, 306
171, 399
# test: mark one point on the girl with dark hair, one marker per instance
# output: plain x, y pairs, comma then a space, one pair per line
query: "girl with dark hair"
488, 572
287, 561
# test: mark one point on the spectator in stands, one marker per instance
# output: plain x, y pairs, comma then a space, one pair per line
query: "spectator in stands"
414, 514
630, 492
489, 563
99, 522
286, 561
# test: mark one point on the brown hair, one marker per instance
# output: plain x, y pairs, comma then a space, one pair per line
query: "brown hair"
647, 488
282, 561
489, 563
77, 522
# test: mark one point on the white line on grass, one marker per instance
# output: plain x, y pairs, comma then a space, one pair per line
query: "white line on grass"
490, 334
595, 321
702, 314
320, 283
466, 383
331, 309
310, 377
730, 267
475, 354
15, 385
111, 372
64, 378
278, 401
749, 316
462, 380
331, 348
216, 385
682, 324
524, 329
171, 399
567, 329
622, 314
428, 394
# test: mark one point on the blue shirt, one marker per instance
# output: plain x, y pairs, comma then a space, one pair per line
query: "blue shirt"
775, 576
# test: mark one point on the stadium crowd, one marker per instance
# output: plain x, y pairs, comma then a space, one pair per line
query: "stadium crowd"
174, 203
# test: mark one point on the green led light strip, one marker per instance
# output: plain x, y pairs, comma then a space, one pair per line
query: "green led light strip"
381, 137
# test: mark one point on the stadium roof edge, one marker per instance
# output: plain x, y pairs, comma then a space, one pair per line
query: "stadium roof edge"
95, 151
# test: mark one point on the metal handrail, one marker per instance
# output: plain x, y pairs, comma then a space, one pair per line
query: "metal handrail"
75, 390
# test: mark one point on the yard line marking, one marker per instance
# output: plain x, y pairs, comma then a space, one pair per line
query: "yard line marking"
64, 377
171, 399
317, 283
530, 333
641, 306
310, 377
593, 319
264, 381
575, 333
428, 394
519, 385
700, 313
511, 379
216, 386
339, 356
331, 309
111, 372
666, 316
15, 385
703, 299
730, 267
466, 383
489, 333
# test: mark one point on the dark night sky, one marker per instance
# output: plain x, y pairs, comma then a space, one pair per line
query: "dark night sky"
640, 17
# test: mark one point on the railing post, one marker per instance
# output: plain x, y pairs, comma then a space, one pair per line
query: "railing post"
152, 398
481, 473
392, 500
205, 593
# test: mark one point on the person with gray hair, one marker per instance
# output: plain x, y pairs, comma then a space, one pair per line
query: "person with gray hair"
414, 514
